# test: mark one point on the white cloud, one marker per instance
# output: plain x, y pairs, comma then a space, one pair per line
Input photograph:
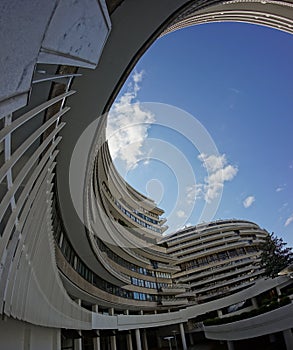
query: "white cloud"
193, 192
218, 172
128, 125
181, 214
289, 220
137, 76
226, 174
280, 188
213, 162
235, 90
248, 201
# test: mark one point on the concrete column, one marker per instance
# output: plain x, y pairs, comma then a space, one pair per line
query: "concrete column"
191, 339
254, 302
230, 345
129, 341
78, 342
272, 338
287, 334
138, 341
278, 291
128, 336
97, 343
113, 343
145, 340
175, 339
159, 341
184, 346
97, 340
220, 313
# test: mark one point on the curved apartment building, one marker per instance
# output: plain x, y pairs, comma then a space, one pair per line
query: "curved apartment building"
122, 202
218, 258
83, 264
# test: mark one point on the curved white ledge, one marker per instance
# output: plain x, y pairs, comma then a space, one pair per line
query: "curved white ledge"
29, 270
270, 322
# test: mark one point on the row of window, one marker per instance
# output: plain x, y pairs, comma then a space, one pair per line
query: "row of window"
195, 230
226, 290
203, 240
198, 276
128, 265
89, 275
163, 274
228, 243
137, 220
229, 279
117, 259
142, 212
216, 257
148, 284
145, 217
130, 215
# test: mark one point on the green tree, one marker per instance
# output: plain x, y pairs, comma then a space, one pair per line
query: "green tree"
275, 255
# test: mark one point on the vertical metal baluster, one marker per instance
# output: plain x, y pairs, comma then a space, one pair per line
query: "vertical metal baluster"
7, 155
63, 103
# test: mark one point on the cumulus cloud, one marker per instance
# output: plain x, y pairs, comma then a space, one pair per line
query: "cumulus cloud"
280, 188
248, 201
289, 220
193, 192
128, 125
219, 171
181, 214
283, 207
213, 162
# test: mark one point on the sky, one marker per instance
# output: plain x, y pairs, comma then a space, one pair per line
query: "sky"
204, 125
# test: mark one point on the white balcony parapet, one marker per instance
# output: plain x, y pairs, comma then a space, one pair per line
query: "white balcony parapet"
270, 322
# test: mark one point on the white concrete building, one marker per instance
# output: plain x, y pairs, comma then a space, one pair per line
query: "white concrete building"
62, 63
218, 258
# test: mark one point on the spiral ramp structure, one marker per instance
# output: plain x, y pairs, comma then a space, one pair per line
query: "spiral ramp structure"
74, 272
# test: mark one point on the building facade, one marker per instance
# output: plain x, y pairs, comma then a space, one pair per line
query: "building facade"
86, 268
218, 258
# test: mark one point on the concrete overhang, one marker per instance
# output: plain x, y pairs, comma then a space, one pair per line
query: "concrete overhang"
135, 26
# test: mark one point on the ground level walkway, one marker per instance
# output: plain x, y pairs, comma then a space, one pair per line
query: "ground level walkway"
200, 346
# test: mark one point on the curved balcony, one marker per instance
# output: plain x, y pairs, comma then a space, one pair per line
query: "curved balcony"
268, 323
30, 286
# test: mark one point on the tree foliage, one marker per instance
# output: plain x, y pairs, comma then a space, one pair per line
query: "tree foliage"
275, 255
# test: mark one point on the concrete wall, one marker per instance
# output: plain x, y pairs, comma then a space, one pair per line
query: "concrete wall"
23, 336
34, 31
30, 288
60, 32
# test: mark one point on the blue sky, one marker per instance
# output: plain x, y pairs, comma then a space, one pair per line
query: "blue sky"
235, 81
